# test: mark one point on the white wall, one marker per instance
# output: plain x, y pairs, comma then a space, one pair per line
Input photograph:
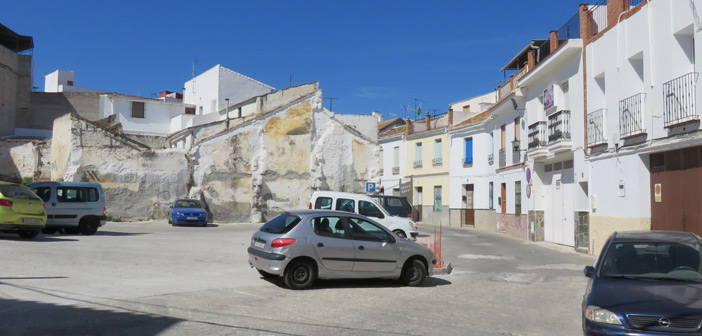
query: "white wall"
604, 189
387, 179
157, 114
479, 174
56, 78
203, 91
365, 124
477, 104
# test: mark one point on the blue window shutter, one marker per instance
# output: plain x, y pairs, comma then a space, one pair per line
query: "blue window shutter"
469, 151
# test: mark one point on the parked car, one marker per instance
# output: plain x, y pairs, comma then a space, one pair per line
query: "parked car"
187, 211
21, 210
306, 245
395, 205
364, 205
645, 283
72, 207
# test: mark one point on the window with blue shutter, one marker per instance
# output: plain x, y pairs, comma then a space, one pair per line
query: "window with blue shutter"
468, 158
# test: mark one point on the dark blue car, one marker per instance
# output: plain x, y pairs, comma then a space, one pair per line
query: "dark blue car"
186, 211
645, 283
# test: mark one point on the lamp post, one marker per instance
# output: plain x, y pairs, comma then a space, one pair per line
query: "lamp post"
227, 100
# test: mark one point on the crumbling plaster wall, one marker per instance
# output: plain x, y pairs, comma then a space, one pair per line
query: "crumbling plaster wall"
24, 160
138, 182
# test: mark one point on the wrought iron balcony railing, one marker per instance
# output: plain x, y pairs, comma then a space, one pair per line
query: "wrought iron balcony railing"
436, 161
559, 126
395, 170
596, 127
418, 164
537, 134
631, 112
491, 159
679, 100
516, 152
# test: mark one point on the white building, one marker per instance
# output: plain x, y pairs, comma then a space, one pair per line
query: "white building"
145, 116
63, 81
643, 129
210, 90
392, 172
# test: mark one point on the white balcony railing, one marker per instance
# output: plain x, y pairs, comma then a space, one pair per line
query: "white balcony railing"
418, 164
395, 170
631, 112
596, 127
679, 100
437, 161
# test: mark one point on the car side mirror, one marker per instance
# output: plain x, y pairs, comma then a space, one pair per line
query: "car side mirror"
391, 239
589, 271
378, 215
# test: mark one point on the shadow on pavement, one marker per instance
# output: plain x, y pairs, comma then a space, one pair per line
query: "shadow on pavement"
196, 225
361, 283
37, 318
38, 239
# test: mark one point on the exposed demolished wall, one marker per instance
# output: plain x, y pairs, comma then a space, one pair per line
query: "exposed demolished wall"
138, 182
272, 164
24, 160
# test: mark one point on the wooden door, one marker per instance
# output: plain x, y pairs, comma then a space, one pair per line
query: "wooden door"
676, 190
468, 205
503, 195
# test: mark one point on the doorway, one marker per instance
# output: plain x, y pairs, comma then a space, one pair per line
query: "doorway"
469, 218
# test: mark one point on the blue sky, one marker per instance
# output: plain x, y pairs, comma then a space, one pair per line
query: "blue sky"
370, 55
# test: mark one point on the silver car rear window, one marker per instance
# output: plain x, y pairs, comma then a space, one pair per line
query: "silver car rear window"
281, 224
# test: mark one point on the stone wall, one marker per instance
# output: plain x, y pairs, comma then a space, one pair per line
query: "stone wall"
536, 225
602, 226
28, 160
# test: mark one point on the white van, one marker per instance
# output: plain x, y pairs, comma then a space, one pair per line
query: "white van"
366, 206
72, 207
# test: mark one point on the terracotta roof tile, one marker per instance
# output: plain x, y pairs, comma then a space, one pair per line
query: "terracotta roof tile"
474, 120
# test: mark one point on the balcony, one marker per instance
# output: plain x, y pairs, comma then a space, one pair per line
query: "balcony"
503, 158
596, 128
491, 159
467, 161
417, 164
512, 84
437, 161
679, 100
516, 152
381, 172
396, 170
559, 126
537, 135
631, 112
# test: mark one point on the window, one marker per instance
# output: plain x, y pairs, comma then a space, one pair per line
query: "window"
558, 166
492, 206
503, 136
43, 192
548, 168
137, 109
516, 128
345, 205
437, 198
437, 151
12, 191
396, 157
364, 230
466, 108
69, 83
468, 159
324, 203
280, 224
369, 209
329, 227
418, 155
77, 194
518, 198
189, 110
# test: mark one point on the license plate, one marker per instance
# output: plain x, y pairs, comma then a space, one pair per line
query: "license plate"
30, 220
259, 244
192, 218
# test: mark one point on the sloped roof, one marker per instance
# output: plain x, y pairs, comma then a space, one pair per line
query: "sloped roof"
394, 131
383, 125
474, 120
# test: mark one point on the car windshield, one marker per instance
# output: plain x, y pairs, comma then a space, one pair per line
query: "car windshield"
188, 204
281, 224
653, 260
11, 191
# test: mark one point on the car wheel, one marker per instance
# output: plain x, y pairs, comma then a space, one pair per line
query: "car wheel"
299, 275
414, 273
28, 234
266, 275
400, 234
48, 230
203, 224
88, 226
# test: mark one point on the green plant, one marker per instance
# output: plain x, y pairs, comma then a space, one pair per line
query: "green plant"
27, 180
114, 219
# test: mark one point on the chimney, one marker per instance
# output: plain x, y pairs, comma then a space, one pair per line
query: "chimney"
408, 126
450, 116
585, 25
427, 120
531, 59
553, 40
614, 8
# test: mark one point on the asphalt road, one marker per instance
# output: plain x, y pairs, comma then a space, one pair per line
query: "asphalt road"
149, 278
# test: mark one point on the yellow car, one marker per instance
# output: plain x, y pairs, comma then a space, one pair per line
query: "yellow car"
21, 210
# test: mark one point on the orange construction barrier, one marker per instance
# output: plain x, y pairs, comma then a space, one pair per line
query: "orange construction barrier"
433, 241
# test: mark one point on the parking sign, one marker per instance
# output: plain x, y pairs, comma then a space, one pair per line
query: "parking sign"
370, 187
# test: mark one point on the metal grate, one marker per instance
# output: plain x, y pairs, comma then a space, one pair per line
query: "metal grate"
631, 112
537, 134
559, 126
503, 157
643, 321
596, 128
571, 29
679, 98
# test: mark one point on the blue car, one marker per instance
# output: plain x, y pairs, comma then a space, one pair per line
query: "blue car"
645, 283
186, 211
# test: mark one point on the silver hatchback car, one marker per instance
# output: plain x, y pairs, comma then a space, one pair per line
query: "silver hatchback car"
305, 245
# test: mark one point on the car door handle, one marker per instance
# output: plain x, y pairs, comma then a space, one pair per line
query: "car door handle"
320, 245
361, 247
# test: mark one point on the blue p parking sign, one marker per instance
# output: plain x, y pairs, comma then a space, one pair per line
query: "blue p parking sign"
370, 187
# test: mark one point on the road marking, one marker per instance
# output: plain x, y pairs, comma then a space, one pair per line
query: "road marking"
484, 256
569, 267
240, 292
